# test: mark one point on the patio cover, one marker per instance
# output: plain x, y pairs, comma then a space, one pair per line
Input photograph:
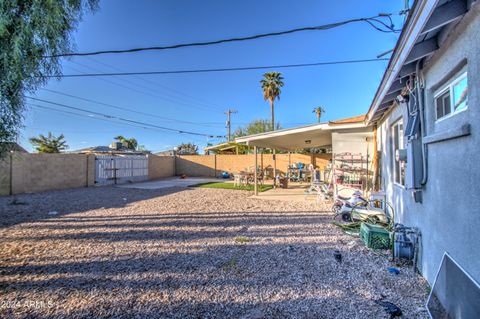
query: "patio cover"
291, 139
316, 135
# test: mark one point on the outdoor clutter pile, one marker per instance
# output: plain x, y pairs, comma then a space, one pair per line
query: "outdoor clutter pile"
372, 221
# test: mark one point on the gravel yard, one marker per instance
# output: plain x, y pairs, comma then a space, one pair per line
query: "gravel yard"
188, 253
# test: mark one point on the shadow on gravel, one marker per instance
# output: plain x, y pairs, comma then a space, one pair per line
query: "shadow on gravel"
298, 280
251, 264
22, 208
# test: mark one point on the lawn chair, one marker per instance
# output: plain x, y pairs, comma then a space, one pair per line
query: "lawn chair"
260, 177
237, 179
316, 182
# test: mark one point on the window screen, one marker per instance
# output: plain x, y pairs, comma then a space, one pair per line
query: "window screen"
454, 294
453, 97
443, 105
460, 96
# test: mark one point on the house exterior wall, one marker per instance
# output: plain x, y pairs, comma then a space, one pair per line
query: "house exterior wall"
353, 143
448, 215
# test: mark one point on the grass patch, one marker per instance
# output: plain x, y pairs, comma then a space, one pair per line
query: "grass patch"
231, 265
242, 239
224, 185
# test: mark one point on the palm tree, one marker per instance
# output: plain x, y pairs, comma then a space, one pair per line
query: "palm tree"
319, 111
271, 86
49, 144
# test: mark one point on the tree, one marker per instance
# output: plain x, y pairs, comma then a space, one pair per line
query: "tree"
255, 127
271, 86
319, 111
132, 143
32, 33
187, 149
49, 144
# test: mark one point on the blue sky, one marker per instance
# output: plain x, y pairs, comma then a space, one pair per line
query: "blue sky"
201, 99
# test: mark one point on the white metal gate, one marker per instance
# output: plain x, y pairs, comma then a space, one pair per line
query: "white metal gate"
120, 169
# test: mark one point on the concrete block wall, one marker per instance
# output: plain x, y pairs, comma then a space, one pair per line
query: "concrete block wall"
212, 165
5, 175
196, 165
160, 166
28, 173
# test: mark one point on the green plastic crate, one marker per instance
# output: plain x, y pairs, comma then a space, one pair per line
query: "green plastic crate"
375, 237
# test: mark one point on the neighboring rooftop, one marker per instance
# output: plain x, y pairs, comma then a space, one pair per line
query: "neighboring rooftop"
114, 148
165, 153
349, 120
223, 148
12, 146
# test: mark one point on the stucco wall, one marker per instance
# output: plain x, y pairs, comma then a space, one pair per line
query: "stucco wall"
212, 165
448, 216
160, 166
30, 173
353, 143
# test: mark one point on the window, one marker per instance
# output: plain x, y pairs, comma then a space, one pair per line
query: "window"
452, 98
398, 166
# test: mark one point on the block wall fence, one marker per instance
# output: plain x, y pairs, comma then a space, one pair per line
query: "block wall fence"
213, 165
30, 173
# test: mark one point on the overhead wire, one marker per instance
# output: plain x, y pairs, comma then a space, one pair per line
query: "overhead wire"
102, 119
214, 70
381, 26
108, 116
168, 99
156, 85
124, 108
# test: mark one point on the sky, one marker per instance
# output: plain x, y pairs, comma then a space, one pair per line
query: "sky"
197, 102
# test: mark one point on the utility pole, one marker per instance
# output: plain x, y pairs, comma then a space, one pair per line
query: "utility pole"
229, 112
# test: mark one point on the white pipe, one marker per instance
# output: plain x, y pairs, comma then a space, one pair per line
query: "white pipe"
256, 172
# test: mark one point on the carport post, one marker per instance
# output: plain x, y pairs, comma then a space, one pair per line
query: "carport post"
256, 171
274, 168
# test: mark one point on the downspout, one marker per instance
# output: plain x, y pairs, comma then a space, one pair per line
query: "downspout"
420, 93
375, 160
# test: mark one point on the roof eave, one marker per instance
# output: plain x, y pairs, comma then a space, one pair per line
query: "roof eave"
420, 12
320, 127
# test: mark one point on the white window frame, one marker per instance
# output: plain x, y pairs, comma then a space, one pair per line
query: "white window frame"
393, 131
449, 88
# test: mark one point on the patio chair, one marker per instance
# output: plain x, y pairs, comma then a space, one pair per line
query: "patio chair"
260, 177
316, 183
268, 172
237, 179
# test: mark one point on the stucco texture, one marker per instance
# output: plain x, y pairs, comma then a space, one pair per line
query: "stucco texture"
448, 215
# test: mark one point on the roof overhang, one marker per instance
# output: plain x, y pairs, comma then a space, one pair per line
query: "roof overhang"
417, 41
317, 135
221, 147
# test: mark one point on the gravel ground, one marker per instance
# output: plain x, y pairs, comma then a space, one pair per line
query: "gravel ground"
188, 253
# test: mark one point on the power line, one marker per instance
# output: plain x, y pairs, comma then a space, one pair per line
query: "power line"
183, 95
188, 104
124, 108
375, 22
215, 70
125, 120
83, 115
96, 118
